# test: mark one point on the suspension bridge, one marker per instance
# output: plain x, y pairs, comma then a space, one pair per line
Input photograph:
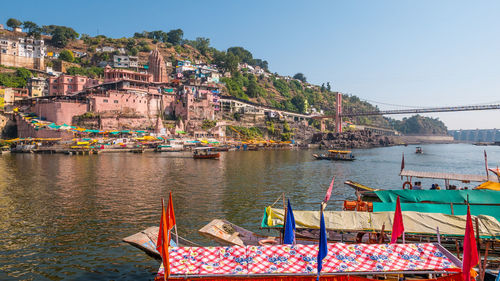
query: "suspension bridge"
339, 113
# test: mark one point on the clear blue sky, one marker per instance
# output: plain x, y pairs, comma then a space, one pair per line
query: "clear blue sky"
414, 53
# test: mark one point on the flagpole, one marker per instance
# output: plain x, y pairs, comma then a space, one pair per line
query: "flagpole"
165, 264
486, 165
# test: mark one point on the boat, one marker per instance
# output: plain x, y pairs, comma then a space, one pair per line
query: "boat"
146, 241
227, 234
168, 148
205, 153
418, 150
375, 227
363, 191
341, 155
342, 262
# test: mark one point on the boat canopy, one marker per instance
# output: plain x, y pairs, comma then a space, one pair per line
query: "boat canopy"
415, 222
444, 176
482, 196
489, 185
289, 262
340, 151
449, 209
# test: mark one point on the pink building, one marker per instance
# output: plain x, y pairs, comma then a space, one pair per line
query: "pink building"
67, 84
114, 75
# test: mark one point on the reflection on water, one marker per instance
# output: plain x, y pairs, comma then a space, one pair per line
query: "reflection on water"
63, 217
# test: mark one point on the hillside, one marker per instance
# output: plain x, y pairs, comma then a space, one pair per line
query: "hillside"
245, 77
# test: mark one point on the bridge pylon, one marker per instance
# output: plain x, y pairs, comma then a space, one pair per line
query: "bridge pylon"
338, 116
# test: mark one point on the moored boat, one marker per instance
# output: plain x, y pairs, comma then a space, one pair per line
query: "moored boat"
146, 241
340, 155
205, 153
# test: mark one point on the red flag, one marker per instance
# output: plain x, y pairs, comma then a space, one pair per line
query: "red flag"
398, 227
171, 217
470, 258
163, 241
329, 192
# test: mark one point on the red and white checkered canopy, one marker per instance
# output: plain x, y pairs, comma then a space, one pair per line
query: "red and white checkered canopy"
301, 259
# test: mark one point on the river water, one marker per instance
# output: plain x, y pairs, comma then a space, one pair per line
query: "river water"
63, 217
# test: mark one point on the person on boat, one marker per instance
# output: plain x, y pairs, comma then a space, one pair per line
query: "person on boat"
417, 185
435, 186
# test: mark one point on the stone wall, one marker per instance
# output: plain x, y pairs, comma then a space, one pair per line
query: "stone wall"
17, 61
59, 112
26, 130
127, 123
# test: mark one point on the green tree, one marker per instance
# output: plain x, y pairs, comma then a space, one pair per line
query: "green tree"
300, 103
175, 36
13, 23
300, 76
29, 26
242, 54
202, 44
66, 55
231, 63
253, 87
328, 87
24, 73
60, 34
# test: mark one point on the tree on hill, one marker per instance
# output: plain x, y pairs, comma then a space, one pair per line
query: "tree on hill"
243, 55
253, 89
300, 103
60, 34
175, 36
32, 29
202, 44
418, 124
13, 23
66, 55
300, 76
262, 64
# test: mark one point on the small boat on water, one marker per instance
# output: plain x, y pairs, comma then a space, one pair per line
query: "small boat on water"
146, 241
340, 155
418, 150
205, 153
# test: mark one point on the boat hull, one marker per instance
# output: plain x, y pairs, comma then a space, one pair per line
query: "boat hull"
209, 156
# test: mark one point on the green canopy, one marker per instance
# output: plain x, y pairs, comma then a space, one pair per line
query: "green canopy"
458, 210
53, 126
440, 196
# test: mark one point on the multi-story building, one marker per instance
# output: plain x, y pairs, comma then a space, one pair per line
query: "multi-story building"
22, 52
125, 61
37, 87
67, 84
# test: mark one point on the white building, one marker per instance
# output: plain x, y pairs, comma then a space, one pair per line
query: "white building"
125, 61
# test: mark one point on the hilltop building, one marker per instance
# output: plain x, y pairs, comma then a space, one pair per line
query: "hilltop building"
125, 61
22, 52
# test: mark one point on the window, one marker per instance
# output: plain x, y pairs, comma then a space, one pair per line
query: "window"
105, 101
115, 101
70, 87
54, 87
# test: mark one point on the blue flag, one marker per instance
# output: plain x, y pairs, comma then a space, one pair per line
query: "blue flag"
323, 246
289, 237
